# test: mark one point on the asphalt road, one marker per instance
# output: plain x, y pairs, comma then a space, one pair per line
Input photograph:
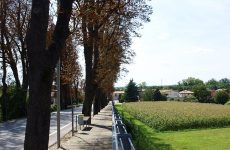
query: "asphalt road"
12, 132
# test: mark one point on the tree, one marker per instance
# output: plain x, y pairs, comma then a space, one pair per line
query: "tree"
157, 96
212, 84
131, 92
189, 83
3, 6
107, 27
70, 71
14, 20
147, 94
202, 94
224, 83
221, 97
42, 61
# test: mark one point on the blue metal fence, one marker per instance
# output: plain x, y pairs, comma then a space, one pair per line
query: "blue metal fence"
121, 138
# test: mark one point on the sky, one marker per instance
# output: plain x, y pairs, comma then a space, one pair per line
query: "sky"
185, 38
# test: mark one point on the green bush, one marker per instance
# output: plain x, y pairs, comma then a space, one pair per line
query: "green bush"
53, 107
202, 94
190, 99
16, 103
147, 95
221, 97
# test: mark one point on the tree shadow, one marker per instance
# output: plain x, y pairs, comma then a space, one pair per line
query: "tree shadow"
87, 128
102, 126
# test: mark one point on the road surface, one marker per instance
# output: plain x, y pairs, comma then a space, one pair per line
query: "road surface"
12, 133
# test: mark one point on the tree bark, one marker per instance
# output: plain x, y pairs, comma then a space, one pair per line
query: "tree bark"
12, 62
65, 96
97, 102
41, 69
88, 53
91, 52
4, 71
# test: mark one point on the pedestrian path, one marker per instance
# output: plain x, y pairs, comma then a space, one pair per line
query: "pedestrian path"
97, 136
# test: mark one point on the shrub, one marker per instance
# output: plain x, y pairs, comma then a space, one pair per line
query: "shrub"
221, 97
190, 99
53, 107
147, 95
18, 103
157, 95
202, 94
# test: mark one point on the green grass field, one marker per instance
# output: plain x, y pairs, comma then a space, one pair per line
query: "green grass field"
182, 139
199, 139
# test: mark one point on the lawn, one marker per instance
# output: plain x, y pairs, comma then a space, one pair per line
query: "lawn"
200, 138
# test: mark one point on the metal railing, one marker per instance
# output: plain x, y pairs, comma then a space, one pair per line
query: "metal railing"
121, 138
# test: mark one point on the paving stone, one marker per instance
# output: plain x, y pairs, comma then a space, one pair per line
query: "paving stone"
99, 136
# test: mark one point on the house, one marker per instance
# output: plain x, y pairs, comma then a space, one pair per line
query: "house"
117, 94
185, 93
165, 92
213, 92
173, 94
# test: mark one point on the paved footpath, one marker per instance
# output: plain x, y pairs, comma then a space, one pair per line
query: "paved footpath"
98, 136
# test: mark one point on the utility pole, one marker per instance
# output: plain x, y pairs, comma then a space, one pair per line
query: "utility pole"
58, 103
72, 109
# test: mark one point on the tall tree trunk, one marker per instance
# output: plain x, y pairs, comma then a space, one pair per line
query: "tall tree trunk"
4, 88
88, 53
12, 62
91, 53
41, 68
4, 71
24, 59
65, 96
97, 102
40, 80
76, 90
104, 100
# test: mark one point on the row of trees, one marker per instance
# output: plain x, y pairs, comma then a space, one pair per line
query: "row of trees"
202, 92
212, 84
14, 18
103, 28
14, 22
189, 83
133, 93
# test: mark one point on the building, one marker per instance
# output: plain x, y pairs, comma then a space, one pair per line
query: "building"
185, 93
173, 94
117, 94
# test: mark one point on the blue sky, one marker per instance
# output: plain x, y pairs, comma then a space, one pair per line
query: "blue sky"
185, 38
